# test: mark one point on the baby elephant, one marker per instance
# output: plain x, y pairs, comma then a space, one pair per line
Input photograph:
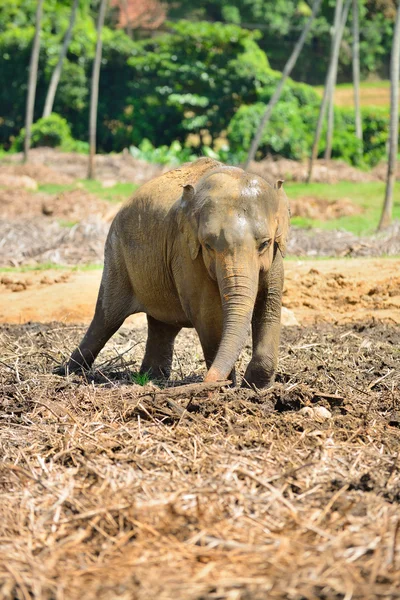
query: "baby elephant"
202, 247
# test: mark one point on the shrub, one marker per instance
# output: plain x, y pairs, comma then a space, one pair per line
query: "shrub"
290, 131
172, 155
286, 134
52, 131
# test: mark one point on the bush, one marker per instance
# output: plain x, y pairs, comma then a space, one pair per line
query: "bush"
52, 131
286, 134
290, 132
174, 154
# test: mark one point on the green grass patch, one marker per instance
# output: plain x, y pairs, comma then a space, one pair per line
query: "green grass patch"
140, 378
369, 196
50, 267
117, 193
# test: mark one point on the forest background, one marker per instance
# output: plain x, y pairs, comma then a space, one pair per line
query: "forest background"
191, 78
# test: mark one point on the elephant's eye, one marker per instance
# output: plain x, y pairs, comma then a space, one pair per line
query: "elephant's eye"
208, 247
264, 245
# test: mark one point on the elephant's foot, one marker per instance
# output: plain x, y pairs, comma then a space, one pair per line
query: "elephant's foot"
260, 373
79, 363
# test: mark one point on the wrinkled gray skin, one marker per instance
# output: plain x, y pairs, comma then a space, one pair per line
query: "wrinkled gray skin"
202, 247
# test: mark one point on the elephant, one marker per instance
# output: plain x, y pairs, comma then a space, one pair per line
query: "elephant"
200, 246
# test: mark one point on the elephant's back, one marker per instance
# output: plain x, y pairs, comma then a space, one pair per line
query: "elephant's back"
162, 192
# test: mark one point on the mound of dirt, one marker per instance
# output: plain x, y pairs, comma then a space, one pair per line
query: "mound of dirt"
116, 167
18, 182
325, 171
73, 205
49, 165
40, 172
340, 291
323, 210
318, 242
34, 241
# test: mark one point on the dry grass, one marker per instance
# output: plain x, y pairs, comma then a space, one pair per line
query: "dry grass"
111, 490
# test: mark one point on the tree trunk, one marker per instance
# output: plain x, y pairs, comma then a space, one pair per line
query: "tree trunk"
277, 94
55, 78
322, 110
128, 22
94, 95
387, 210
356, 69
33, 69
332, 82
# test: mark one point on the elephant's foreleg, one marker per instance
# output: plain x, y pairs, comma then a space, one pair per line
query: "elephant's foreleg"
266, 326
115, 302
210, 340
159, 348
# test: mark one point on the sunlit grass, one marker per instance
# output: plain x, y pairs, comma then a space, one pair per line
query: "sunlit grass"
372, 94
368, 195
49, 266
116, 193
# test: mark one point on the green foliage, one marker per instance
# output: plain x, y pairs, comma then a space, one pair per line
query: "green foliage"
286, 134
140, 378
190, 85
52, 131
174, 154
281, 23
191, 79
290, 132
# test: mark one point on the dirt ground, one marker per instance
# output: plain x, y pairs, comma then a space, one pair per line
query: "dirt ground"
335, 290
174, 490
113, 490
49, 165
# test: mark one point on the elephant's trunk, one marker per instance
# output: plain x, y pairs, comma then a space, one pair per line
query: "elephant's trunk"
238, 287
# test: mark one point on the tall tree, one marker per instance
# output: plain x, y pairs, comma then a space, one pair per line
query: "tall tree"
332, 82
356, 69
33, 69
94, 95
55, 78
387, 210
277, 94
322, 110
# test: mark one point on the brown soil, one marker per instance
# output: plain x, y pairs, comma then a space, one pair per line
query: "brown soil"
73, 205
323, 210
49, 165
112, 490
337, 290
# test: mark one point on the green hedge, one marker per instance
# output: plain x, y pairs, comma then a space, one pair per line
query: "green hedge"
290, 132
52, 131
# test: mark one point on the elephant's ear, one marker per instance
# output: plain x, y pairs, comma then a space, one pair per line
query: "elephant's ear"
187, 221
283, 217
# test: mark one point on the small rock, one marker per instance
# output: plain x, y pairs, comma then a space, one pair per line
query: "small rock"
307, 411
288, 318
6, 280
46, 281
321, 413
317, 412
47, 209
18, 287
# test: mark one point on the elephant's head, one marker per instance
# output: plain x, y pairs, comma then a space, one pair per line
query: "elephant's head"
234, 222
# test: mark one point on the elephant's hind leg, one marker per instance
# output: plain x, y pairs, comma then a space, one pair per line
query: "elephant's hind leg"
159, 348
115, 302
